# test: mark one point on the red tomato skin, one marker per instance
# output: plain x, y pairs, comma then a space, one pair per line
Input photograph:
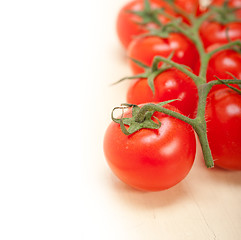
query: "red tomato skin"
223, 62
190, 6
223, 115
146, 48
126, 24
151, 160
214, 32
170, 84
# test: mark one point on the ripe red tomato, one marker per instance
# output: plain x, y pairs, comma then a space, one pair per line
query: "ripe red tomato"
231, 3
127, 23
223, 62
146, 48
151, 160
214, 32
170, 84
223, 114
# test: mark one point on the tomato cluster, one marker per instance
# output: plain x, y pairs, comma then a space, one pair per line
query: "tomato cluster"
156, 159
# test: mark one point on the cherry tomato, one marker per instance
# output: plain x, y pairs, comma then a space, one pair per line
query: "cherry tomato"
227, 61
222, 63
223, 114
146, 48
149, 159
170, 84
127, 23
214, 32
231, 3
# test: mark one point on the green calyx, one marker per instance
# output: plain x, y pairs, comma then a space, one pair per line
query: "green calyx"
148, 15
149, 72
162, 32
224, 14
141, 117
135, 126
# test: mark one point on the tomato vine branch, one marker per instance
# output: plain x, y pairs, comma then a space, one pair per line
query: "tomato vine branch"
182, 68
158, 108
224, 47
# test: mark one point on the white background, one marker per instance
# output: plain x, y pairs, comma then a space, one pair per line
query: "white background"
57, 60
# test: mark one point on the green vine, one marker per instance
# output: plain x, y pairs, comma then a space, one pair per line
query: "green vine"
141, 117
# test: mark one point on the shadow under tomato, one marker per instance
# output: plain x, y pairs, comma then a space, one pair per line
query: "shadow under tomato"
222, 176
120, 54
150, 200
215, 175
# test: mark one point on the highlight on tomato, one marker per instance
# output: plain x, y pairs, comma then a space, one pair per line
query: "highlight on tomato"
223, 114
150, 159
144, 49
169, 84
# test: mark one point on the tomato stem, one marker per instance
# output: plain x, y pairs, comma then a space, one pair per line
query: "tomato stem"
152, 107
201, 129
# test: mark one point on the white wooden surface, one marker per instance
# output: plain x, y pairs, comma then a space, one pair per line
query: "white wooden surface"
55, 105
